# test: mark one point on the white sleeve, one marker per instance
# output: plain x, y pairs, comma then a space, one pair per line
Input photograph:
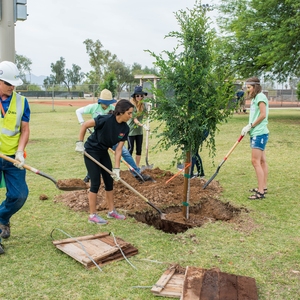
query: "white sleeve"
79, 113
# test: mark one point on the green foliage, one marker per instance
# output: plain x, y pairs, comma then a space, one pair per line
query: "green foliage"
33, 87
66, 76
194, 93
264, 244
105, 65
261, 36
74, 76
109, 83
122, 73
100, 59
23, 64
137, 69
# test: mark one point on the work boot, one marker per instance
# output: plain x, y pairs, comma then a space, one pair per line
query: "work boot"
5, 231
86, 178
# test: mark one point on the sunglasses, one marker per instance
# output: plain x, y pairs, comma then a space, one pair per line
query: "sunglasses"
136, 96
7, 83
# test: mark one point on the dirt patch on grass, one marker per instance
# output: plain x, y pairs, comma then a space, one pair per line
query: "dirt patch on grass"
204, 205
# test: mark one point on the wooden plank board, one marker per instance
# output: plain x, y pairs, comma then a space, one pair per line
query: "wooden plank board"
73, 251
81, 238
173, 290
203, 284
247, 288
84, 250
100, 255
161, 283
210, 286
228, 286
169, 284
100, 248
192, 284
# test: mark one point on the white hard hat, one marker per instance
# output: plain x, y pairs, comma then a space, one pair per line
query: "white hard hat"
10, 73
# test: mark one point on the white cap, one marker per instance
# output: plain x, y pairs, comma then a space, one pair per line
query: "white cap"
10, 73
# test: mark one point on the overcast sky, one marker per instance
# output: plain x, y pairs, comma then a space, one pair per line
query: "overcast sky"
57, 28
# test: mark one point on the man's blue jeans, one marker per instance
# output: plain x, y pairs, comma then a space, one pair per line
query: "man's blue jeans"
16, 190
127, 157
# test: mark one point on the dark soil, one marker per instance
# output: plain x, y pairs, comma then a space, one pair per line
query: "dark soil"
71, 184
204, 205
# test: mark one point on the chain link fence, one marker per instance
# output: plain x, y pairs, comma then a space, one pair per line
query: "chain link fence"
83, 91
92, 90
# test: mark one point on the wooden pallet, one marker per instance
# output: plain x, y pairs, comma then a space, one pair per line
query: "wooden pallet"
200, 284
99, 247
169, 285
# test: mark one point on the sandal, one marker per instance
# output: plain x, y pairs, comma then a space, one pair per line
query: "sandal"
257, 196
255, 190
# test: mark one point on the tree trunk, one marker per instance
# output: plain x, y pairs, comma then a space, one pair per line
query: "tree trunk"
185, 201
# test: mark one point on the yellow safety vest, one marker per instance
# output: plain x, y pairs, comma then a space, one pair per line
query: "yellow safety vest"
10, 125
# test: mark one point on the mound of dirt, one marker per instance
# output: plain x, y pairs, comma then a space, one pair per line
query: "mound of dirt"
204, 205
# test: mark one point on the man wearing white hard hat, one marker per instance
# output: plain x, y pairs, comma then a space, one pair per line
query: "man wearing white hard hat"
14, 136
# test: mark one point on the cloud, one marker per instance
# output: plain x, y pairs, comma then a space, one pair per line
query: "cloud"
56, 28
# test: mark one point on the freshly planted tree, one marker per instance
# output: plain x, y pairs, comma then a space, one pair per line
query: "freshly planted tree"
194, 93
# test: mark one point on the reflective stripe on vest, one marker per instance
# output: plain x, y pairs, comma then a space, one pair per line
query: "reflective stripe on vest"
19, 113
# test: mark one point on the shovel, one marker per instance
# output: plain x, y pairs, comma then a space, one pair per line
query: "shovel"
220, 165
59, 184
162, 215
147, 145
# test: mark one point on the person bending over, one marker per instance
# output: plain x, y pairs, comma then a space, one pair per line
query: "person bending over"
109, 130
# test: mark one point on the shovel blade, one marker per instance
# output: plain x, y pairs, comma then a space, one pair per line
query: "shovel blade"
71, 185
70, 188
149, 167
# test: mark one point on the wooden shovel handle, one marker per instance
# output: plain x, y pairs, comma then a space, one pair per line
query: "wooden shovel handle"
29, 168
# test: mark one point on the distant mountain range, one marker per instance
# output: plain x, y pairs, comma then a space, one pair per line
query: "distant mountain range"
39, 80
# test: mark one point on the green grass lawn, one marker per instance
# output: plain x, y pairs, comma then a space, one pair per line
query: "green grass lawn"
32, 268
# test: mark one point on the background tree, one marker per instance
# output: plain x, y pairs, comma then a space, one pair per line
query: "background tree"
61, 75
100, 60
109, 83
298, 91
122, 74
136, 68
33, 87
24, 65
193, 92
74, 76
262, 37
